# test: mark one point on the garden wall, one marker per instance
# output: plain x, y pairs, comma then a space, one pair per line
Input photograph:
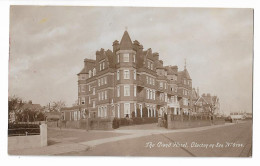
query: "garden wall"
30, 141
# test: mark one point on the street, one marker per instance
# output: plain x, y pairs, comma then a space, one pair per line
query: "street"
229, 140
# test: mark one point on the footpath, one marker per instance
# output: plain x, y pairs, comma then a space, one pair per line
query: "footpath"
98, 137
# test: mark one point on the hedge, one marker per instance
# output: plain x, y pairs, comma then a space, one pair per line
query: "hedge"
117, 122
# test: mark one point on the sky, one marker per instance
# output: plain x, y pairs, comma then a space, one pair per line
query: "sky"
48, 46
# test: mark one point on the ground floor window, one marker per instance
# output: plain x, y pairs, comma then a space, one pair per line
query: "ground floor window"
127, 110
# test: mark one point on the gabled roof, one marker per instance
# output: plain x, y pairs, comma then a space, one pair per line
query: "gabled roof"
184, 74
126, 43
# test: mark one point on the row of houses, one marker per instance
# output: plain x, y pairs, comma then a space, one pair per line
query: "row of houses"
128, 82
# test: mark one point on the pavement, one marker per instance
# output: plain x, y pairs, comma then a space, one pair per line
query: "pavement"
135, 141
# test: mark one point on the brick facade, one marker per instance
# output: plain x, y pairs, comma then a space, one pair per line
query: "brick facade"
130, 81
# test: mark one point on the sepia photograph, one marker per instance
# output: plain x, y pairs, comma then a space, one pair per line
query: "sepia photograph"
130, 81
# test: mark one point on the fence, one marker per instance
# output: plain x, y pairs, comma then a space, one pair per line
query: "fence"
182, 121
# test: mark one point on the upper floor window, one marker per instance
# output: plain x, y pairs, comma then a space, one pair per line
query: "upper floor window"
135, 74
125, 57
105, 95
161, 84
126, 90
105, 80
147, 93
151, 66
134, 57
90, 73
134, 90
83, 88
118, 75
101, 81
165, 85
98, 82
148, 64
118, 91
103, 65
94, 71
126, 74
94, 91
100, 66
94, 104
118, 60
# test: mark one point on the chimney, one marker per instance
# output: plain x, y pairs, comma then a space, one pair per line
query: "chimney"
156, 56
136, 45
115, 46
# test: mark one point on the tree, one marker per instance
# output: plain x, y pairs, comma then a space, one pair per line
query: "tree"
56, 106
14, 104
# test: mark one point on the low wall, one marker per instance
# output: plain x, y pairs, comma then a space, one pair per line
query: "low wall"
179, 122
93, 124
31, 141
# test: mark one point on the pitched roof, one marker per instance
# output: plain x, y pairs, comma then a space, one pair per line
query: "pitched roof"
184, 74
126, 43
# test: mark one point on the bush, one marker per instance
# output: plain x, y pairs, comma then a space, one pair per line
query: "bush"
115, 123
22, 129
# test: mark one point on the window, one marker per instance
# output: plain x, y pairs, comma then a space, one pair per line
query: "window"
98, 82
150, 80
83, 88
101, 81
118, 75
161, 84
151, 66
125, 57
118, 58
127, 109
149, 63
94, 71
88, 87
105, 80
147, 93
118, 110
134, 57
105, 95
90, 73
99, 111
165, 86
105, 111
94, 104
126, 90
135, 74
82, 100
103, 65
102, 95
153, 81
154, 94
126, 74
165, 97
134, 90
94, 91
89, 100
99, 96
147, 81
151, 95
118, 91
